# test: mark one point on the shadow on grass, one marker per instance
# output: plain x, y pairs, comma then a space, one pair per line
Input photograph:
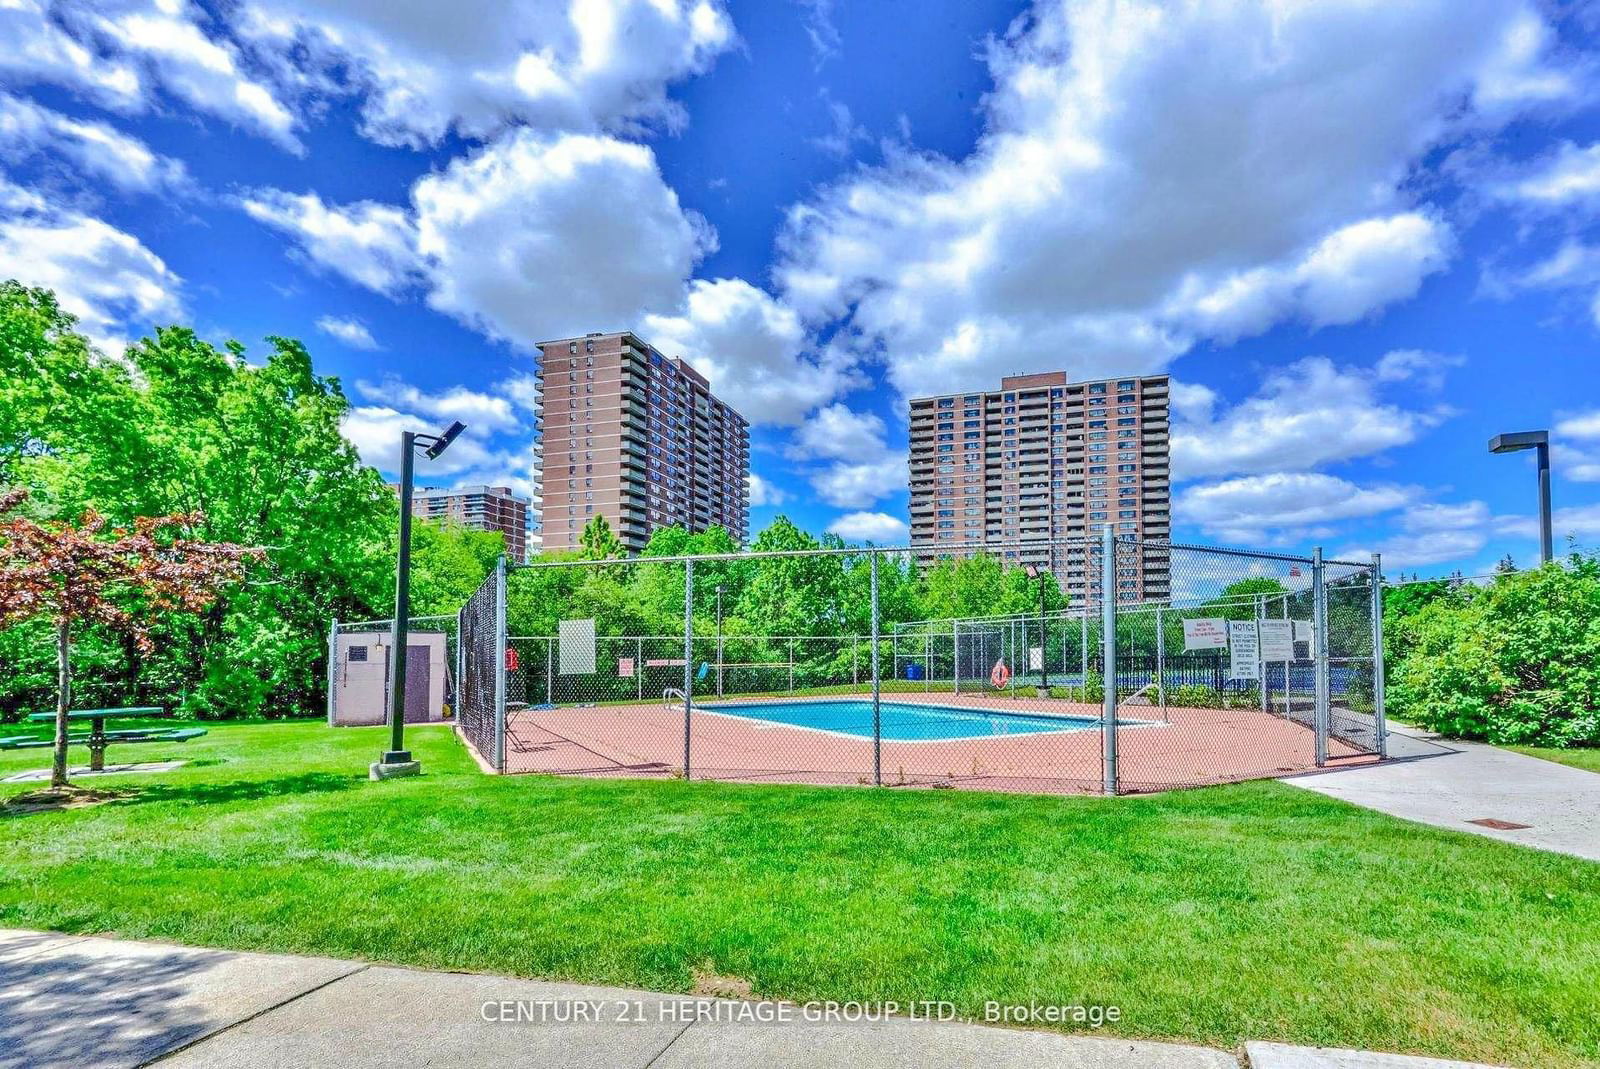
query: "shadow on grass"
244, 790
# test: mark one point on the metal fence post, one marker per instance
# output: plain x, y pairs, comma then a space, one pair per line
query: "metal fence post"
638, 665
927, 661
1083, 652
1288, 690
791, 666
955, 655
550, 670
1380, 720
1261, 663
877, 708
1108, 615
1161, 663
500, 665
1319, 654
855, 670
333, 665
688, 657
461, 662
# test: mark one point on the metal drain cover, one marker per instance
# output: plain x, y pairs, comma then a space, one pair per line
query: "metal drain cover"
1497, 824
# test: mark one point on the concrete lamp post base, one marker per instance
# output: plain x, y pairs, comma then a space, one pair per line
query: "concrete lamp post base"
387, 769
1041, 692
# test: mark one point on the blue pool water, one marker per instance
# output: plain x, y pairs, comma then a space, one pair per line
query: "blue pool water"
902, 721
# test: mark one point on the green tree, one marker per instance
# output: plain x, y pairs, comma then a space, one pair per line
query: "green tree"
185, 427
1515, 662
448, 564
598, 542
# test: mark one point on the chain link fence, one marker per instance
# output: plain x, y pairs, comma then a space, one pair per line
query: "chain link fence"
1244, 665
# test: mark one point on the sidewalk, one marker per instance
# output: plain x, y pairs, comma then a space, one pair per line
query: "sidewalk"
1450, 784
91, 1003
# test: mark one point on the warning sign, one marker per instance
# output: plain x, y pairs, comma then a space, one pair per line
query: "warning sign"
1277, 640
1036, 658
1204, 635
1244, 650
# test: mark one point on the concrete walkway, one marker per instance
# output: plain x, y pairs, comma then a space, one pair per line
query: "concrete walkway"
90, 1003
1451, 784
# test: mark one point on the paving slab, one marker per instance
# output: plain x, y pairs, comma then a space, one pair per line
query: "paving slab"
385, 1017
16, 943
39, 775
1283, 1056
921, 1045
109, 1004
1558, 806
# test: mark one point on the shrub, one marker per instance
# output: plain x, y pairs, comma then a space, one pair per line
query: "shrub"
1517, 662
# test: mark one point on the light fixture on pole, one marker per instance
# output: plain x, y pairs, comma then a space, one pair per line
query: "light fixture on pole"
1036, 572
396, 760
1540, 440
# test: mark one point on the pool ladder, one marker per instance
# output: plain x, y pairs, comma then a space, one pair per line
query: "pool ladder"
670, 693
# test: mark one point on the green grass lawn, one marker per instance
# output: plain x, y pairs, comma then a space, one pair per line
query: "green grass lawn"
1586, 758
1213, 916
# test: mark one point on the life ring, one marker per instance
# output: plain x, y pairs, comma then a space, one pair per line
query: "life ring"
1001, 675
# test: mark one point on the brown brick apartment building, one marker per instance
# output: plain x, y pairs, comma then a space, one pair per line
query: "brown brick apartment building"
1044, 458
485, 508
639, 438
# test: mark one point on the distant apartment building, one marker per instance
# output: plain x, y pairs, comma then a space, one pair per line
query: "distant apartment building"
639, 438
483, 508
1045, 459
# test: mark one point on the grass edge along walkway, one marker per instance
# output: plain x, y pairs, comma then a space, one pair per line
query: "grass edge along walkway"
1212, 916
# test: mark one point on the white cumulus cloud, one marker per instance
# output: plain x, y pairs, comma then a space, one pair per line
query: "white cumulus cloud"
879, 528
350, 331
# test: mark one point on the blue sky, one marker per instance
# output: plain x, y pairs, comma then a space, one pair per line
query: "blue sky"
1361, 238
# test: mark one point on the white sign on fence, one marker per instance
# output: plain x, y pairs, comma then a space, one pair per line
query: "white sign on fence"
1244, 650
577, 647
1204, 635
1277, 640
1036, 658
625, 667
1302, 630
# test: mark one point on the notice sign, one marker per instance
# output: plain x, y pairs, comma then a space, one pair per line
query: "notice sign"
1277, 639
1302, 630
1204, 635
1036, 658
1244, 650
625, 667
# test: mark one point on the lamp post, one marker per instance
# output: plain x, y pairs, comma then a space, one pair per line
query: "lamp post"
396, 760
1540, 440
1043, 691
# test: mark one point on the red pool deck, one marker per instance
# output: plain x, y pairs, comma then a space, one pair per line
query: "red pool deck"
1192, 747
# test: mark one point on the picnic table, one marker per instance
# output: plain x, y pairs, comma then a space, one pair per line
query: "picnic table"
97, 738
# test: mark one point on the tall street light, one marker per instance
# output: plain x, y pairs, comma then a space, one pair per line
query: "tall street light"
1540, 440
1036, 572
396, 760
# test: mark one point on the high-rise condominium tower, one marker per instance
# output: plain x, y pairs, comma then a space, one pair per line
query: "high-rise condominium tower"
639, 438
1046, 459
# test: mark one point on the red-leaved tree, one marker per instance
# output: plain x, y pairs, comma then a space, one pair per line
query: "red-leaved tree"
119, 577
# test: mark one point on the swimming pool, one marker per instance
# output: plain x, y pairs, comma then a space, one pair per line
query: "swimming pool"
902, 721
